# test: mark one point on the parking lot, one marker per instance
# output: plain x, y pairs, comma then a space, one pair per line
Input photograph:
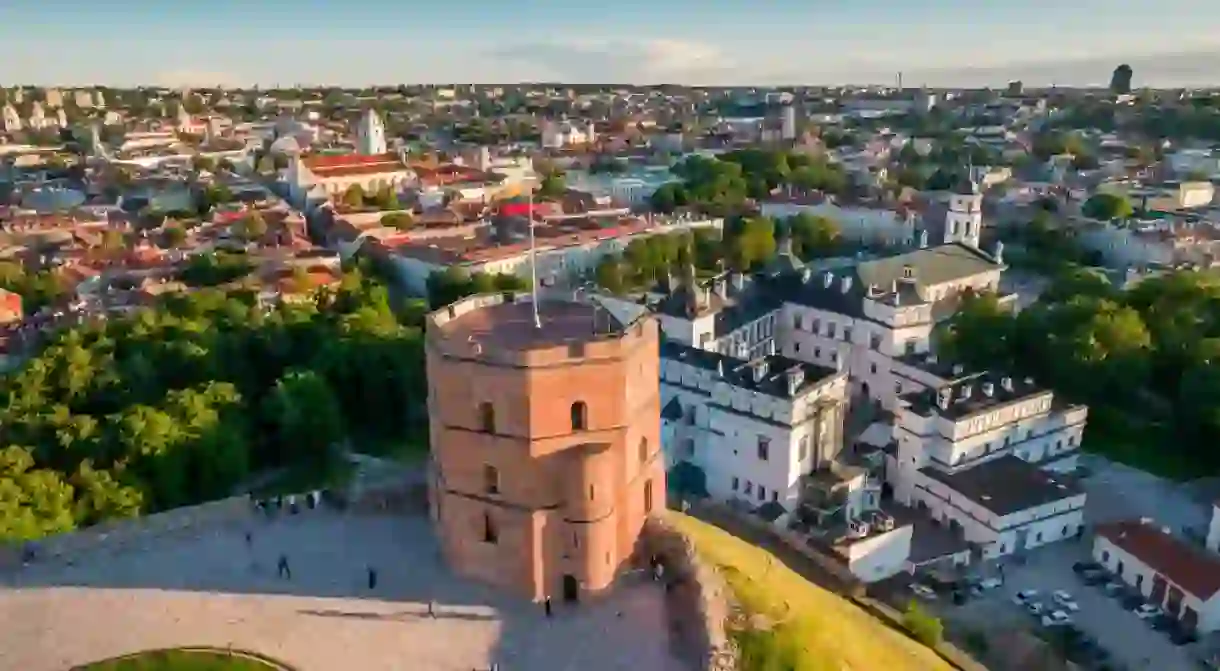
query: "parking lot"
1114, 492
1129, 640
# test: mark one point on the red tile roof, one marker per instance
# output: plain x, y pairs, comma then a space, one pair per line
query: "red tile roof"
341, 165
1188, 567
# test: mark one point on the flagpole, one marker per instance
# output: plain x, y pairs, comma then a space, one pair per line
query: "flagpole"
533, 260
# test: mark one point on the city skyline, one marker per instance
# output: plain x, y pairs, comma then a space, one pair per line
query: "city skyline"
942, 43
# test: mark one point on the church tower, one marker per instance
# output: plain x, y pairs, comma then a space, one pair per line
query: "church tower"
370, 134
964, 220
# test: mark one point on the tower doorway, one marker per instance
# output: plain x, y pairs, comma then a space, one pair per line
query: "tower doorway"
571, 588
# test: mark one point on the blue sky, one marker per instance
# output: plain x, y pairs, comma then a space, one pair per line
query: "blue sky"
937, 42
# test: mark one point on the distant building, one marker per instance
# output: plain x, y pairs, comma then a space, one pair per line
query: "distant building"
12, 120
557, 135
546, 453
370, 134
788, 130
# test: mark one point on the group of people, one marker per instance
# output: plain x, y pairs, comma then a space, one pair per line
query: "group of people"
291, 503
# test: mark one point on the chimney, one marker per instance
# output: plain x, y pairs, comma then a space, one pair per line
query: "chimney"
739, 281
846, 284
958, 369
966, 390
796, 376
988, 389
760, 371
828, 278
943, 397
923, 239
1029, 380
999, 252
1006, 383
806, 274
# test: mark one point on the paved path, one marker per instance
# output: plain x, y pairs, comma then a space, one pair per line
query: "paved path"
213, 590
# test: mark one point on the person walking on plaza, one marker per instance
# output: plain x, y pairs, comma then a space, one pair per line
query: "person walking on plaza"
372, 578
282, 568
432, 608
546, 606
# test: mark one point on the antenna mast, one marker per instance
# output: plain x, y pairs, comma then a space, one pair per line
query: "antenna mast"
533, 260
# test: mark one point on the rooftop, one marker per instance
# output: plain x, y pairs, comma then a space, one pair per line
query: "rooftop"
510, 323
971, 394
766, 375
1191, 568
1007, 485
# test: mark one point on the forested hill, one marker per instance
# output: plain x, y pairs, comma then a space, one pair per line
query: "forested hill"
180, 403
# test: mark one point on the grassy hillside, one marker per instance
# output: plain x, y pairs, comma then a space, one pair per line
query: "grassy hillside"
814, 629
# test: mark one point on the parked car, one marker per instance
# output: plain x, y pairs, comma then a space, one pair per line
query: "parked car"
1148, 611
923, 591
1083, 567
1132, 601
1065, 601
990, 583
1095, 578
1035, 608
1056, 618
1025, 596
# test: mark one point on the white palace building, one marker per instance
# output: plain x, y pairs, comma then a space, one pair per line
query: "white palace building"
758, 374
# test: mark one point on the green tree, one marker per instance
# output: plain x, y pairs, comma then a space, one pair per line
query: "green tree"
1108, 207
923, 627
354, 197
814, 236
552, 186
401, 220
306, 416
252, 227
609, 275
174, 236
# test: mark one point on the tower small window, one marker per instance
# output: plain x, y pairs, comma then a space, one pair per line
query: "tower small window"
491, 479
580, 416
490, 533
643, 450
487, 418
648, 497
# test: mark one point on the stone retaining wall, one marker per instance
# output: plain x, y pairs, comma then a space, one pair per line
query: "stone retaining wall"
116, 535
697, 600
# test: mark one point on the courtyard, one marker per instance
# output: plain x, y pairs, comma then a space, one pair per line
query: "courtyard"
215, 590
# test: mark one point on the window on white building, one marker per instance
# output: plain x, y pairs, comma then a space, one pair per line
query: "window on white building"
774, 495
804, 447
748, 489
762, 493
764, 448
909, 347
798, 322
688, 447
734, 484
874, 341
846, 334
872, 368
815, 326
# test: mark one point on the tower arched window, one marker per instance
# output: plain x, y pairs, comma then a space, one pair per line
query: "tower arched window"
643, 450
580, 416
487, 417
490, 533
